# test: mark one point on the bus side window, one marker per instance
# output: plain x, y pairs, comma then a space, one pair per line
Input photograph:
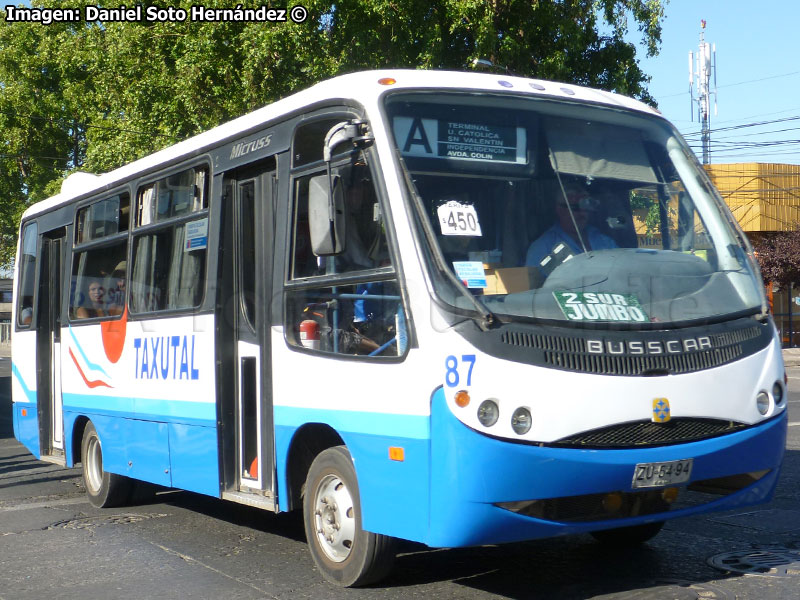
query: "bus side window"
27, 275
95, 287
364, 319
365, 244
365, 316
169, 258
99, 258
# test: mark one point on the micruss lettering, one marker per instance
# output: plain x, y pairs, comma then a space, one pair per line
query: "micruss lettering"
243, 148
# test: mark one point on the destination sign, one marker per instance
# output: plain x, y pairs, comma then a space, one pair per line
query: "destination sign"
598, 306
460, 140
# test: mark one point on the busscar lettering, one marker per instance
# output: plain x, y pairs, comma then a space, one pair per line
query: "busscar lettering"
651, 347
165, 357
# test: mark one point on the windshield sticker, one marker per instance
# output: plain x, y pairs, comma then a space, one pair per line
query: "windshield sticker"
471, 273
598, 306
196, 235
435, 138
458, 219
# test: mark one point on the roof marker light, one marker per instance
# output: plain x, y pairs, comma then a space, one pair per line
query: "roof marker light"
568, 91
387, 81
505, 84
537, 86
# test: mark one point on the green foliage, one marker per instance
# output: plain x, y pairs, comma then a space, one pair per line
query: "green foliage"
95, 96
652, 219
778, 256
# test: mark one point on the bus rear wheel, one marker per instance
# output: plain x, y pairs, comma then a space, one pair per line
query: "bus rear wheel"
628, 536
344, 553
104, 489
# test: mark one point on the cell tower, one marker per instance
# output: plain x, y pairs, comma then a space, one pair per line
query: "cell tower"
700, 70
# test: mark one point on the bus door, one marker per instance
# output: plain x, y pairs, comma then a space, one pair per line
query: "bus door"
48, 346
250, 234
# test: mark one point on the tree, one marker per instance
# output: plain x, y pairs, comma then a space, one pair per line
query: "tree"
778, 256
95, 96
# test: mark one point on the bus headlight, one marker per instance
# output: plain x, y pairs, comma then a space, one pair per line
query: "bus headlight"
488, 412
762, 402
777, 393
521, 421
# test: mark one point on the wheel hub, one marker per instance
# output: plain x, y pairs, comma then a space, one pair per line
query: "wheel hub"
94, 465
334, 518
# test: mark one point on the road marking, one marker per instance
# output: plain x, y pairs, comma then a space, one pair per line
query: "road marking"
190, 559
45, 504
794, 424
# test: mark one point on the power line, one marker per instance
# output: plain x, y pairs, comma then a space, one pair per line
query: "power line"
748, 81
746, 125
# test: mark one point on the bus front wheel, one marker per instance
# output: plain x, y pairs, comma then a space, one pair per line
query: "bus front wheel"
104, 489
344, 553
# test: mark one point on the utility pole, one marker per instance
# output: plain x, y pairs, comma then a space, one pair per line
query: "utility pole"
700, 68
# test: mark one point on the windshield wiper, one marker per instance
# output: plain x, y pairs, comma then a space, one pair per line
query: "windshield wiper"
487, 319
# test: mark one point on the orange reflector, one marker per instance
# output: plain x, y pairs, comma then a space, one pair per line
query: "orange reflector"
670, 495
24, 412
462, 398
387, 81
612, 502
397, 453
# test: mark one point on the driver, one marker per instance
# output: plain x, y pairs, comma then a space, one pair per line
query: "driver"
563, 235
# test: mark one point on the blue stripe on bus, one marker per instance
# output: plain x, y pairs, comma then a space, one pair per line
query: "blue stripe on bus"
172, 411
379, 424
31, 396
90, 364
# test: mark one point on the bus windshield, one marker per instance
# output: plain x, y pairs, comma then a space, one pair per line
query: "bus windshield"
555, 210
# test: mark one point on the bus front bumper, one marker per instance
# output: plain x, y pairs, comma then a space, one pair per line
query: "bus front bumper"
486, 490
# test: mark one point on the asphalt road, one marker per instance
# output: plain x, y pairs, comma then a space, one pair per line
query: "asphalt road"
54, 544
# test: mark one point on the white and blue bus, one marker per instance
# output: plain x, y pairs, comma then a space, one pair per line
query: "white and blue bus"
452, 308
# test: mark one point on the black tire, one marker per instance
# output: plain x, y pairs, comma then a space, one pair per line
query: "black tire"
628, 536
344, 553
103, 489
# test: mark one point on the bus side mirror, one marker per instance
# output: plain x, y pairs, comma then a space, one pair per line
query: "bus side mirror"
326, 216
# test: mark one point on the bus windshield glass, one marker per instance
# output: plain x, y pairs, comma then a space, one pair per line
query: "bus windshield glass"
556, 210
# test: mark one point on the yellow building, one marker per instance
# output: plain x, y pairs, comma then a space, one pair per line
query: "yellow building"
765, 198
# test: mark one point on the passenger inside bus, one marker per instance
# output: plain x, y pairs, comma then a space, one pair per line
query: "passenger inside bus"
571, 233
95, 306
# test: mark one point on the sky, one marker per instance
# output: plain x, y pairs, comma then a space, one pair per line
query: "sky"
758, 76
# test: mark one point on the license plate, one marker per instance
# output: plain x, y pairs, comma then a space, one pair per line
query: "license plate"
660, 474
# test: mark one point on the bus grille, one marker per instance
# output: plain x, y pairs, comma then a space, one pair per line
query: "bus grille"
570, 353
646, 433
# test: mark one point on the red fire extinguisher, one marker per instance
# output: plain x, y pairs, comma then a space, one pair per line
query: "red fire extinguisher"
309, 334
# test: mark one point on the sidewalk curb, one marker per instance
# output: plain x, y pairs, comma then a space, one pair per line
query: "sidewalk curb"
791, 357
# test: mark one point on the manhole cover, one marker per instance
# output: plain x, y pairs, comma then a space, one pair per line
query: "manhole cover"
770, 561
90, 522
